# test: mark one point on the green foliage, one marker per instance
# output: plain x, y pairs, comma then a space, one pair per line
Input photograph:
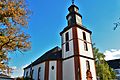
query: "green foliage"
104, 72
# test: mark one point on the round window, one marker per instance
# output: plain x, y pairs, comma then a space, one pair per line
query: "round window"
52, 67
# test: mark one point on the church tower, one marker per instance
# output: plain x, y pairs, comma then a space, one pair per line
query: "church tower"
78, 61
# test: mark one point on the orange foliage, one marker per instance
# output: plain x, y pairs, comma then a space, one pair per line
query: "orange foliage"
13, 15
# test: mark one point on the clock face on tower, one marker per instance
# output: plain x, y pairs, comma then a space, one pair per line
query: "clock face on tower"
78, 20
76, 10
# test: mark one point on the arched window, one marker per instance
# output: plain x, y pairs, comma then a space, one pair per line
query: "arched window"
67, 46
87, 65
52, 67
67, 36
67, 39
85, 42
32, 74
27, 74
39, 69
85, 46
84, 36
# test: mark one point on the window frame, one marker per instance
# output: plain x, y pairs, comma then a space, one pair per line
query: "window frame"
67, 36
27, 74
67, 46
84, 36
87, 65
52, 67
85, 46
32, 73
39, 69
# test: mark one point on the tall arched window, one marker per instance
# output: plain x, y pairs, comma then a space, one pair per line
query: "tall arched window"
85, 46
27, 74
84, 36
67, 36
67, 43
85, 42
39, 69
87, 65
32, 73
67, 46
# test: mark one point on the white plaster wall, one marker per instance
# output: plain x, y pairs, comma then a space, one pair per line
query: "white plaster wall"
88, 37
88, 53
70, 35
80, 35
25, 71
92, 69
52, 73
70, 52
68, 69
83, 68
42, 70
35, 72
83, 52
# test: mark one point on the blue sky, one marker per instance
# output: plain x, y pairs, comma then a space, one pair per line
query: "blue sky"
49, 18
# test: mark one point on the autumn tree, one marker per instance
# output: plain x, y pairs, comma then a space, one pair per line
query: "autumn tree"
14, 16
104, 72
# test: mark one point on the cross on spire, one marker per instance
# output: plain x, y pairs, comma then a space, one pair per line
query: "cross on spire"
72, 1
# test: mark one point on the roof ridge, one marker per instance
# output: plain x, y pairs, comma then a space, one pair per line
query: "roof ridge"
58, 48
46, 55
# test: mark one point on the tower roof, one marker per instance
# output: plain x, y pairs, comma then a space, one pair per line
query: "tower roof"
72, 7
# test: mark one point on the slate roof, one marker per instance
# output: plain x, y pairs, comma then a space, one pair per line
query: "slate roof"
115, 64
53, 54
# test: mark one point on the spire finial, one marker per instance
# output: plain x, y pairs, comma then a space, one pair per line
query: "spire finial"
72, 1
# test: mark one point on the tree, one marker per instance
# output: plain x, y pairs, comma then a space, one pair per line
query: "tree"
13, 12
104, 72
14, 16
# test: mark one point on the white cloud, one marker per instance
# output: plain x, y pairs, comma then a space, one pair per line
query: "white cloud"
18, 72
25, 65
14, 67
112, 54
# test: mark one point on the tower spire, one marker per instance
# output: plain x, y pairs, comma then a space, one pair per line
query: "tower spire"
72, 1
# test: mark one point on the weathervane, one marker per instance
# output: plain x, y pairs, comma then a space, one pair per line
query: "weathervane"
72, 1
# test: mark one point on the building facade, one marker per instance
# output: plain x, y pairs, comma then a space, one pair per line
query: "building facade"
74, 61
5, 77
115, 64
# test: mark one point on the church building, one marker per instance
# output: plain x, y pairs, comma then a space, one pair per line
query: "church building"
73, 61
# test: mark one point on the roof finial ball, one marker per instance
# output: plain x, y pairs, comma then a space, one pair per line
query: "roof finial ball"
73, 2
